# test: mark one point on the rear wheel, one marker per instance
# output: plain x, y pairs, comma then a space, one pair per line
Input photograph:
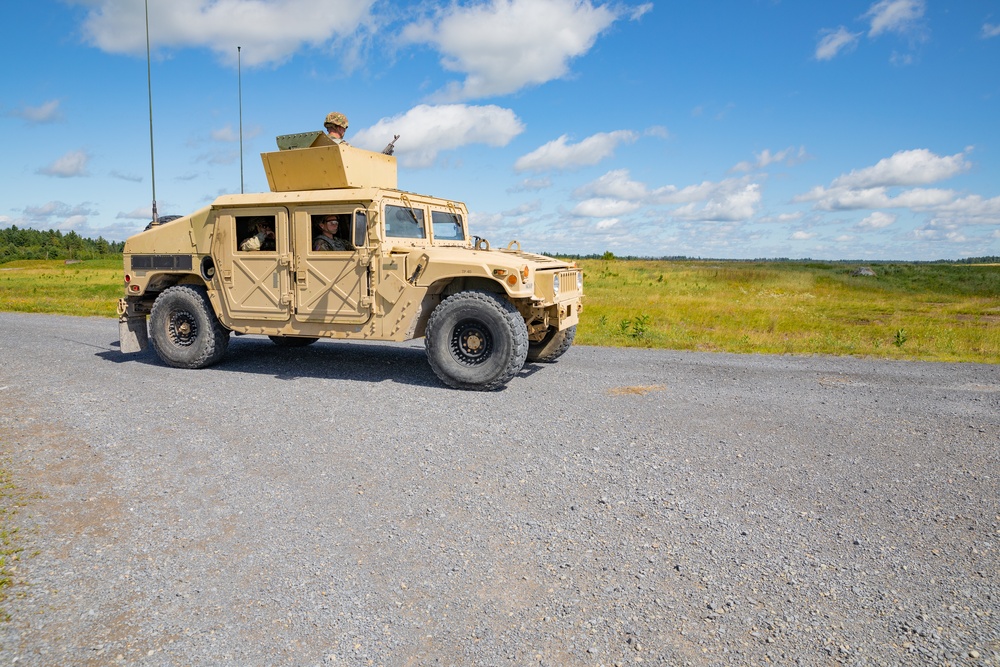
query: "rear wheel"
184, 329
476, 340
552, 346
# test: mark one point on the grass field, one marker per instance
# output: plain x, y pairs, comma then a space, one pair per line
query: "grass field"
932, 312
90, 287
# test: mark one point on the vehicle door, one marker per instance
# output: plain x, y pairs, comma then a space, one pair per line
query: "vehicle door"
332, 286
250, 247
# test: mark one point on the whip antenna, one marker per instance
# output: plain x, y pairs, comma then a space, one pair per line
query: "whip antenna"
149, 87
239, 79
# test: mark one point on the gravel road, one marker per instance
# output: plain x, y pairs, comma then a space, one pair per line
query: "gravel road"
336, 505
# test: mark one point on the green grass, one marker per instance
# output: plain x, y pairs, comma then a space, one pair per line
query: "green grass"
931, 312
88, 288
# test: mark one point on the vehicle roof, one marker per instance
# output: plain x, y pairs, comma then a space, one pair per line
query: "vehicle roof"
307, 197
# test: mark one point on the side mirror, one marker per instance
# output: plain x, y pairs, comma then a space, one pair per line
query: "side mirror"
360, 228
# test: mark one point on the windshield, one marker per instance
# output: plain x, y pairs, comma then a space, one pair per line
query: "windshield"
404, 222
447, 226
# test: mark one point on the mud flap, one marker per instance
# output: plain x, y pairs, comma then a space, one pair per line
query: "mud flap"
133, 336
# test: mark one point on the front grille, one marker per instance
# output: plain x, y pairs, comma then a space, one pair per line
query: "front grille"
168, 262
567, 283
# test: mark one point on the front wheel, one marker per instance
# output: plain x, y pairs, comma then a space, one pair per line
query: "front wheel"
476, 340
552, 346
184, 329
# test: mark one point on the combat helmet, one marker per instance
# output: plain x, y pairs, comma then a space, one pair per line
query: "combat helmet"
336, 118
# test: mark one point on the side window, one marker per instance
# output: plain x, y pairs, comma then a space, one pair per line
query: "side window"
255, 233
360, 228
404, 222
447, 226
331, 231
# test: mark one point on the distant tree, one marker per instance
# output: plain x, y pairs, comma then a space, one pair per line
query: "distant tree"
18, 243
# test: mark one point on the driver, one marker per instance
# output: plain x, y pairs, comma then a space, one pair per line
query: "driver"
328, 239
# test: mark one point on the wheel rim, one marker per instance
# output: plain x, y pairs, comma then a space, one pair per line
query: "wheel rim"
182, 328
471, 343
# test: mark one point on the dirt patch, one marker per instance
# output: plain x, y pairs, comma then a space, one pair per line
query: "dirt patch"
640, 390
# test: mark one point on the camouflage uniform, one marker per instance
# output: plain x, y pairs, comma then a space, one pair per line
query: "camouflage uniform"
335, 118
258, 241
324, 242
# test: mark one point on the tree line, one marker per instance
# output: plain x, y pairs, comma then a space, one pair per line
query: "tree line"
53, 244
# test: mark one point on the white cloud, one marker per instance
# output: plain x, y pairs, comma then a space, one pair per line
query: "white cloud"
802, 236
834, 42
640, 11
531, 185
938, 231
922, 198
766, 158
46, 113
847, 199
502, 46
141, 213
225, 134
424, 131
727, 201
617, 184
69, 165
559, 154
270, 31
877, 220
604, 207
894, 16
872, 188
132, 178
990, 30
783, 218
913, 167
55, 215
658, 131
523, 209
615, 193
972, 209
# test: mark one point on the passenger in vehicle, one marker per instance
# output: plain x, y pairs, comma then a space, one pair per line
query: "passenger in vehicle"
327, 238
262, 240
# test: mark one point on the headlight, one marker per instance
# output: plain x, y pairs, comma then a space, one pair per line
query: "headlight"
579, 281
555, 284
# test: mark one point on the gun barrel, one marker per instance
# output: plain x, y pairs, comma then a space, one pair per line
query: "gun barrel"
391, 146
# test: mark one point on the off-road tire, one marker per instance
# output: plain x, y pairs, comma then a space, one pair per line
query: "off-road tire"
292, 341
552, 346
476, 340
184, 329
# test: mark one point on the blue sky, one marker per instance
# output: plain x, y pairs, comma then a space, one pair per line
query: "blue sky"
727, 129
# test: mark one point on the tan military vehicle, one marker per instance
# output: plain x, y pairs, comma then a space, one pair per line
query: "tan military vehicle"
403, 266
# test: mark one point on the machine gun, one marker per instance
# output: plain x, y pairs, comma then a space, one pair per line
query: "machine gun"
391, 147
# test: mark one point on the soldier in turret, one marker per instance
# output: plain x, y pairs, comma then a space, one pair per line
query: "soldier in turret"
336, 127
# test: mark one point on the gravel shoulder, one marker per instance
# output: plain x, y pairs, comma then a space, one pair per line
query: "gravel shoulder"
336, 505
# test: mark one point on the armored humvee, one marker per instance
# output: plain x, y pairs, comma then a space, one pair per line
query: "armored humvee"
409, 268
